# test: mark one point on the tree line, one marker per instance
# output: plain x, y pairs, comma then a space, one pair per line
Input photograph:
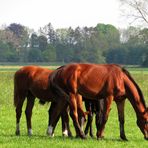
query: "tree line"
103, 43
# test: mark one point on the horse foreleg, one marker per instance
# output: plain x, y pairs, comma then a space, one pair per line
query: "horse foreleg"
18, 114
120, 108
65, 123
74, 116
102, 115
50, 128
81, 113
28, 112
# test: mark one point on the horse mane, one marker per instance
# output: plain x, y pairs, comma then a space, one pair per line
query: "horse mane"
136, 85
61, 67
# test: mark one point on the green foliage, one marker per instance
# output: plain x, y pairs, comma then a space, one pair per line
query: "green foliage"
49, 55
34, 55
100, 44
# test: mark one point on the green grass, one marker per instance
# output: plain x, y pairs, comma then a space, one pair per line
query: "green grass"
40, 120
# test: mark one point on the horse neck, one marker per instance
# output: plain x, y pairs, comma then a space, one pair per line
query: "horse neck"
135, 98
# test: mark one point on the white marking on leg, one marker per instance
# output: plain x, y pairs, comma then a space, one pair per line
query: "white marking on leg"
65, 133
50, 131
29, 131
82, 123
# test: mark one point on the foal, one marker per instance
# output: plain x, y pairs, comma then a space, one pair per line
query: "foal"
32, 82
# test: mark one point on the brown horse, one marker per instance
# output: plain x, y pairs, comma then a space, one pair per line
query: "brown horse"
107, 81
32, 82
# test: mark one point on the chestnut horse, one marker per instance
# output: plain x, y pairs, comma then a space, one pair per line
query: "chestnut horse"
107, 81
31, 82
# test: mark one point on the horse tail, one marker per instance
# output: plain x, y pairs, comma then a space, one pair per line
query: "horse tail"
56, 89
136, 85
59, 92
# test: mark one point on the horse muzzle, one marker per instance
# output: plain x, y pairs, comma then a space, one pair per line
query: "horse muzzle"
146, 138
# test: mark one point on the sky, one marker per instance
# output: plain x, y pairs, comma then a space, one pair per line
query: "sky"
60, 13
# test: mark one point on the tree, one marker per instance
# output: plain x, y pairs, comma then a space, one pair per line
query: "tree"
135, 10
8, 45
49, 55
34, 55
49, 32
34, 41
42, 42
21, 32
138, 13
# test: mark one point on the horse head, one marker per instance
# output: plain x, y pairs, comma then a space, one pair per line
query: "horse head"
143, 124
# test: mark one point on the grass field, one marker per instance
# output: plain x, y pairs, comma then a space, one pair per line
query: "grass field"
40, 120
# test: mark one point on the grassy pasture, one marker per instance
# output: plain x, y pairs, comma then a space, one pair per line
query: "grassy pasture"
40, 120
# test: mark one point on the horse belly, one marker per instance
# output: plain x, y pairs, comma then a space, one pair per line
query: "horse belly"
43, 94
90, 91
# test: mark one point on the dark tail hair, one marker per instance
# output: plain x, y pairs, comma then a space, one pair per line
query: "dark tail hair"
56, 89
59, 92
136, 85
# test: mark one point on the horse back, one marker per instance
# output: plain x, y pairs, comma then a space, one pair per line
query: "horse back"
33, 79
91, 80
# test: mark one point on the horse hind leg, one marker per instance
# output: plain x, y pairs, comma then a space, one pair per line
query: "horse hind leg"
120, 108
28, 112
55, 111
75, 107
89, 125
88, 107
65, 123
18, 113
102, 115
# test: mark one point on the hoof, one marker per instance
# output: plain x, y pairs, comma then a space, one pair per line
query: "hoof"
30, 132
17, 133
91, 135
70, 134
49, 134
81, 136
100, 138
146, 138
67, 135
86, 132
50, 131
124, 138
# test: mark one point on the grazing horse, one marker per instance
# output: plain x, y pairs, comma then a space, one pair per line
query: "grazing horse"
107, 81
31, 82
